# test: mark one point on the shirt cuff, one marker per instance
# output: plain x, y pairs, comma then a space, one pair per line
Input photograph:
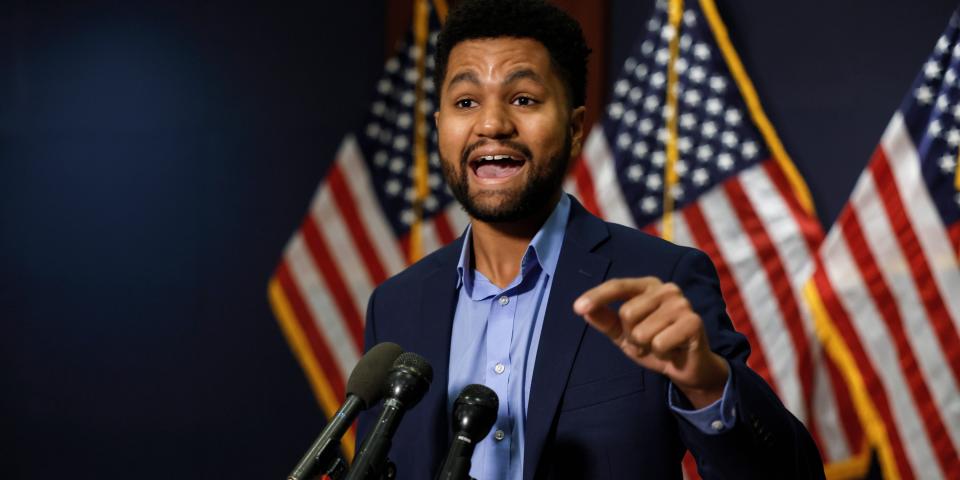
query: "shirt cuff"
714, 419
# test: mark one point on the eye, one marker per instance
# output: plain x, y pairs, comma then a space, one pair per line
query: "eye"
465, 103
524, 101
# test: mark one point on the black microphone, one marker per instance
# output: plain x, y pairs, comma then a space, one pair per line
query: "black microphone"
406, 384
474, 413
364, 389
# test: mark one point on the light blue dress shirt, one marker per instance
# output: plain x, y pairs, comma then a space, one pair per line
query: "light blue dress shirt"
494, 342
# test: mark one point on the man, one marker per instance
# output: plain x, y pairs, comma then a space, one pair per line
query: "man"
509, 303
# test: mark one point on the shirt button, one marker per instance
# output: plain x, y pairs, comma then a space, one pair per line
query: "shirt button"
499, 435
504, 300
717, 425
499, 368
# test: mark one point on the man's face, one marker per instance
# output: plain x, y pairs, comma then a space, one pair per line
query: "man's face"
506, 131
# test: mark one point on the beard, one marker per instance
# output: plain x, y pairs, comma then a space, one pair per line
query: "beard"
546, 179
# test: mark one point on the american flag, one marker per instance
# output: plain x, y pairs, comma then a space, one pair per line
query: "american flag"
382, 205
685, 151
887, 286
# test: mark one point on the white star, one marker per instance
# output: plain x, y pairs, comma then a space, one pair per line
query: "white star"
624, 140
434, 180
942, 102
942, 44
651, 103
378, 108
430, 203
681, 65
410, 75
684, 144
692, 98
410, 194
685, 42
953, 137
697, 74
947, 163
403, 120
640, 149
380, 158
689, 18
408, 98
749, 149
636, 93
384, 86
681, 168
654, 24
629, 64
646, 126
931, 70
708, 129
641, 71
654, 182
428, 83
407, 217
621, 87
663, 135
687, 121
956, 112
935, 128
630, 118
400, 142
435, 159
729, 139
667, 112
667, 32
392, 187
956, 50
704, 152
725, 161
647, 48
950, 76
373, 129
392, 65
615, 110
718, 84
427, 107
430, 62
700, 177
701, 51
658, 79
649, 204
397, 165
956, 198
677, 192
414, 52
635, 172
714, 106
658, 159
733, 117
924, 95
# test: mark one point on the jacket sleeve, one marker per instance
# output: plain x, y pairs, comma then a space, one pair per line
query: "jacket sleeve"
767, 441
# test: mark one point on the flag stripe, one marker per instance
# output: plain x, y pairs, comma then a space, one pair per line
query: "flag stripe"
955, 236
600, 163
585, 189
346, 204
758, 297
812, 233
860, 284
778, 281
322, 257
444, 231
316, 340
730, 290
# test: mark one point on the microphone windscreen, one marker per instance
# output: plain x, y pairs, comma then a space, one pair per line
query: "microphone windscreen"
368, 377
475, 411
480, 395
416, 363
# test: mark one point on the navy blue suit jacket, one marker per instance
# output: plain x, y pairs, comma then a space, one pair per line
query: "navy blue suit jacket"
593, 413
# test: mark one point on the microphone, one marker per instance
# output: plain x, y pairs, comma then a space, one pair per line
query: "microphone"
406, 384
364, 389
474, 413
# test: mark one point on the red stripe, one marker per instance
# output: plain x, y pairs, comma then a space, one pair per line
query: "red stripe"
442, 225
348, 212
885, 300
809, 225
584, 180
404, 242
841, 320
779, 282
955, 237
651, 228
318, 344
323, 260
852, 430
933, 303
731, 291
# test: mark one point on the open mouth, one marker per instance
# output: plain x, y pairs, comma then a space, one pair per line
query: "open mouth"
496, 166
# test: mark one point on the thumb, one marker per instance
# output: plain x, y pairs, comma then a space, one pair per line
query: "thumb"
600, 317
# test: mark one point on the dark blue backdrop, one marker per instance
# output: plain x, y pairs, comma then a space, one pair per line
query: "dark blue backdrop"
155, 156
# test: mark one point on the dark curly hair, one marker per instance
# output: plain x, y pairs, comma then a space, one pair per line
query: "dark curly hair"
536, 19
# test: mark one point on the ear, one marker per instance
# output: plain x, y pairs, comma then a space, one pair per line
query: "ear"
436, 118
576, 130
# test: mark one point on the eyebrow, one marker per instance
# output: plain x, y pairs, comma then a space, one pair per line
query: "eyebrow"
471, 77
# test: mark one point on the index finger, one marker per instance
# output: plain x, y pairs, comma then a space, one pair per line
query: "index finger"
611, 291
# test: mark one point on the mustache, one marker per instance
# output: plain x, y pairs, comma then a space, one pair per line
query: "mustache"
510, 144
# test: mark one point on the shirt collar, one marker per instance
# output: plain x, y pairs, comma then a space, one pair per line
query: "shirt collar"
544, 248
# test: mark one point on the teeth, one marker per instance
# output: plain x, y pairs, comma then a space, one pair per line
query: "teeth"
487, 158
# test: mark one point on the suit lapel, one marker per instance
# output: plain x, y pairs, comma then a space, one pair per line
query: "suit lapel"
577, 271
438, 297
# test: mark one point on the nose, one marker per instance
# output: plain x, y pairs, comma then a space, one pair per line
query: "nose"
495, 122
